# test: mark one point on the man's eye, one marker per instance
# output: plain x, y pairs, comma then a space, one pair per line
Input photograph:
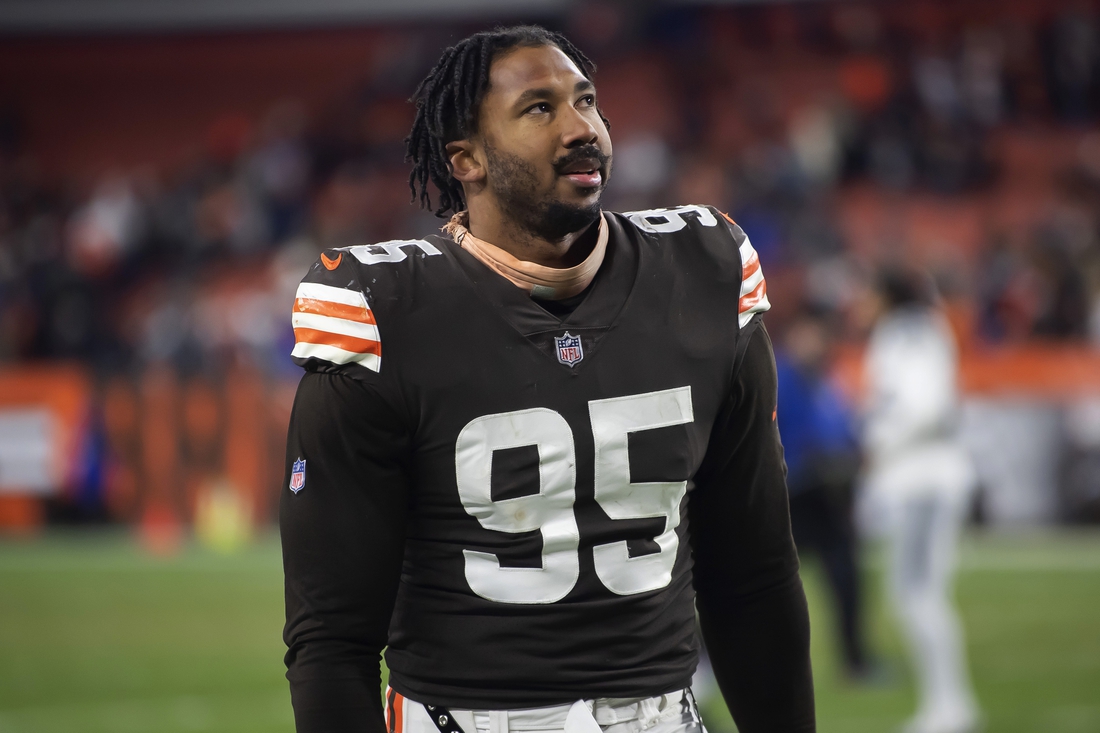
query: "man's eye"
541, 107
588, 100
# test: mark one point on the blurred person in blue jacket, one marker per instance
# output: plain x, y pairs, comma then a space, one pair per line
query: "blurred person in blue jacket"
918, 480
822, 452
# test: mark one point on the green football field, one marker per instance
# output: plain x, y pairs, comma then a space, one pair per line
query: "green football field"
97, 637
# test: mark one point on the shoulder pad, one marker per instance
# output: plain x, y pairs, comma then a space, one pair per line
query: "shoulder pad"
333, 321
753, 296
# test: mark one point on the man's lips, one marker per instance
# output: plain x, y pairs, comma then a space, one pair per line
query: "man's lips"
583, 167
585, 179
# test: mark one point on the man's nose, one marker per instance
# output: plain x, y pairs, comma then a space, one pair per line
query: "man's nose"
578, 129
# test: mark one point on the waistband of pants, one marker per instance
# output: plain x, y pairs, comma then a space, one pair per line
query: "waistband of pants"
629, 715
606, 711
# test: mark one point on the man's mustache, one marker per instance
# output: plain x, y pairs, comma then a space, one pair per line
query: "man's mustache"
588, 152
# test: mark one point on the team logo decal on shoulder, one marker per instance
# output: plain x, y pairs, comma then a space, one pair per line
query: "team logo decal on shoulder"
298, 476
569, 349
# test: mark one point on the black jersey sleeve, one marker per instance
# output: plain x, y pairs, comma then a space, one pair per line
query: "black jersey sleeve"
343, 533
752, 609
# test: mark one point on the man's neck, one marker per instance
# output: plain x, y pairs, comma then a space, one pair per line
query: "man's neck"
489, 225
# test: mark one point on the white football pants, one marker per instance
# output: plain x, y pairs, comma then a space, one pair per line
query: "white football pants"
924, 534
674, 712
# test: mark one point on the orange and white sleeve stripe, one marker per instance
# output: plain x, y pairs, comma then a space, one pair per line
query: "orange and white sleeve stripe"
395, 711
335, 324
754, 291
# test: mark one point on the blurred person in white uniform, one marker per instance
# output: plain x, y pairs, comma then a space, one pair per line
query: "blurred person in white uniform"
918, 483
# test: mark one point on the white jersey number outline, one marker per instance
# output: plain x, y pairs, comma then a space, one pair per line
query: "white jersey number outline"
612, 422
672, 220
550, 511
392, 251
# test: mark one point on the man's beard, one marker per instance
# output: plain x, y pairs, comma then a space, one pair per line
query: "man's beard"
515, 183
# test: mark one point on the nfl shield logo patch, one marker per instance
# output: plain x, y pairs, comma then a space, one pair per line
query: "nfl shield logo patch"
569, 349
298, 476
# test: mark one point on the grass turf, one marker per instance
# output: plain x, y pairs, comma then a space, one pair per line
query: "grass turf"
97, 637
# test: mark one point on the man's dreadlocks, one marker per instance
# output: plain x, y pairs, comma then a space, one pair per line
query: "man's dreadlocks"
447, 104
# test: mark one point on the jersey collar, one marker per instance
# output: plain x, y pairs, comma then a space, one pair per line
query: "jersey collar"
544, 283
609, 293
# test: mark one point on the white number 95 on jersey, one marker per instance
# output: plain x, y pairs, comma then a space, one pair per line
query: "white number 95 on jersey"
550, 511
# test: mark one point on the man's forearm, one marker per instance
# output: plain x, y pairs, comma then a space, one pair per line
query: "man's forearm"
338, 705
759, 646
343, 535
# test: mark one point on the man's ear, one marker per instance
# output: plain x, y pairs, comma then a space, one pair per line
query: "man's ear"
466, 161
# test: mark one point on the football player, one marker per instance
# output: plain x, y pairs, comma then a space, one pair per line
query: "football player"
919, 480
526, 450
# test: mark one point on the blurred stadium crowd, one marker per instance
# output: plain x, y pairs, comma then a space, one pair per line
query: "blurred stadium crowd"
959, 137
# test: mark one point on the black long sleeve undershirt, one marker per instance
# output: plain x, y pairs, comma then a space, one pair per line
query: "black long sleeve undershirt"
343, 539
752, 609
